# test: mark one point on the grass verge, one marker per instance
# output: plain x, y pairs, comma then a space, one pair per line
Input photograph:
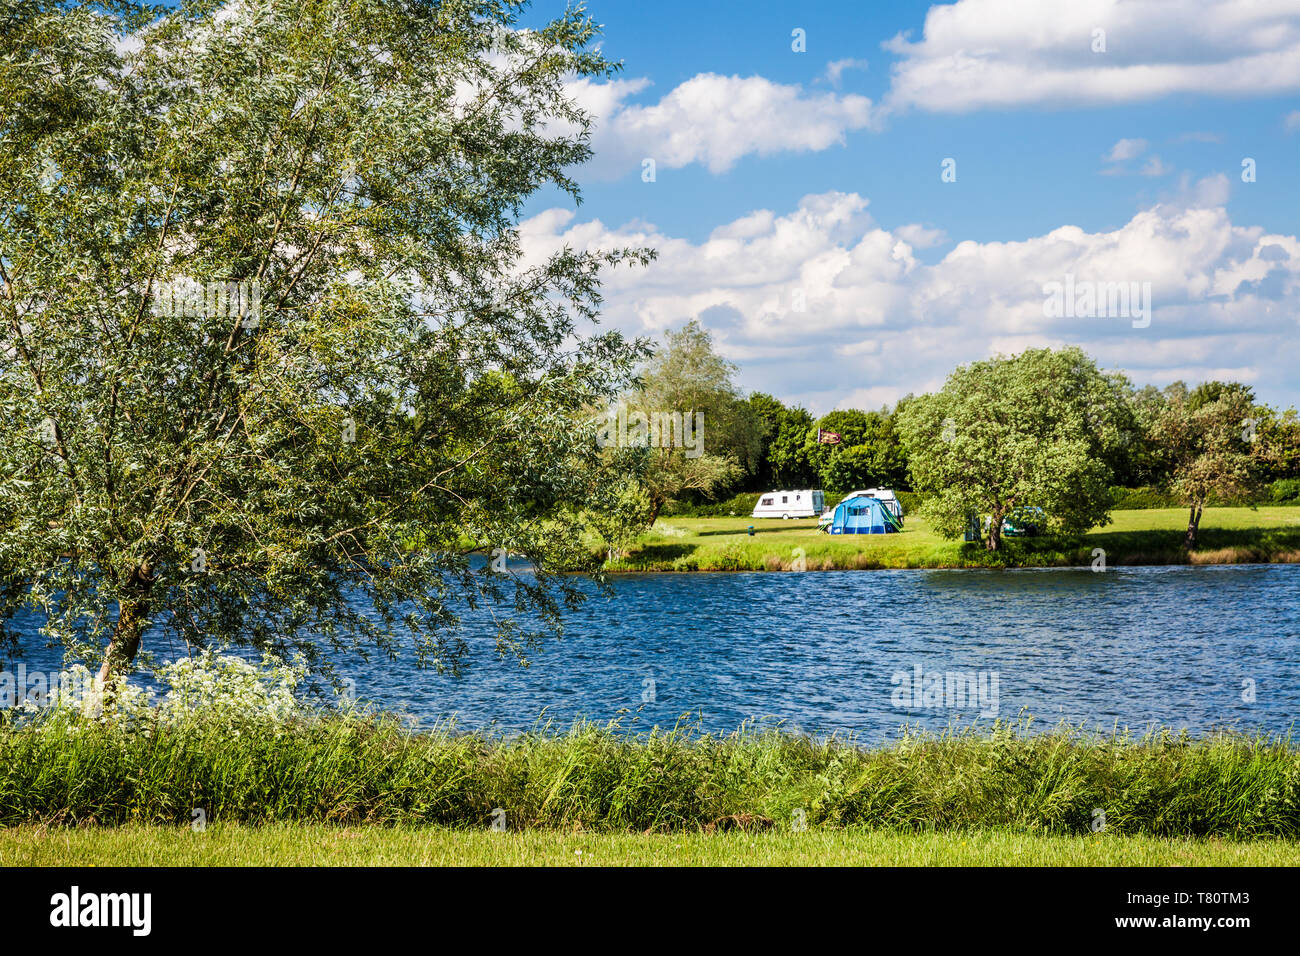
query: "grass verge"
323, 845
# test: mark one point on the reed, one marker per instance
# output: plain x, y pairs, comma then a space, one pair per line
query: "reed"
357, 768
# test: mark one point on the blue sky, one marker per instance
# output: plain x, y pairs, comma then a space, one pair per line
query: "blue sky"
784, 177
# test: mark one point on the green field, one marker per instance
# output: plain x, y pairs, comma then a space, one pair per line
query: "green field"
323, 845
1154, 536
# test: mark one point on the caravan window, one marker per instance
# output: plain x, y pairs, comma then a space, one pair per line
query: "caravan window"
766, 501
784, 499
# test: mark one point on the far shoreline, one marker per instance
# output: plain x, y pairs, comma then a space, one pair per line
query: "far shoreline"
1280, 560
1154, 537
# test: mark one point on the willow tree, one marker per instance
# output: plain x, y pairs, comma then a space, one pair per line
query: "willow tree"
274, 362
700, 433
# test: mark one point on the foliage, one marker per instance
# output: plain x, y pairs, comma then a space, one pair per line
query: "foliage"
214, 689
785, 460
1137, 459
351, 768
255, 473
741, 505
1130, 499
912, 501
1210, 393
872, 453
690, 382
1207, 440
870, 456
1285, 489
767, 412
1009, 432
1277, 444
788, 454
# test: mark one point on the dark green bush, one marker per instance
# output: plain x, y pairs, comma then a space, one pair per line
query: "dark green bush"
1284, 490
742, 505
910, 500
1132, 499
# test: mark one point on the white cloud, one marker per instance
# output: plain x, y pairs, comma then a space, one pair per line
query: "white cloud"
835, 69
714, 120
973, 54
1129, 149
1292, 121
977, 54
878, 323
1210, 191
1126, 149
1154, 166
921, 237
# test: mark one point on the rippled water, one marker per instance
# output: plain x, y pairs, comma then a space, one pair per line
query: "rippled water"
1133, 646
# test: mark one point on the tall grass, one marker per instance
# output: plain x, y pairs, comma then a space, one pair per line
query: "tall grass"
367, 769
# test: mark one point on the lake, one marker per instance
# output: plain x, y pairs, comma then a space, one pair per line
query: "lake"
863, 652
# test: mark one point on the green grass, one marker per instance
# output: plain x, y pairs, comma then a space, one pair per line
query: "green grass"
356, 770
1152, 536
323, 845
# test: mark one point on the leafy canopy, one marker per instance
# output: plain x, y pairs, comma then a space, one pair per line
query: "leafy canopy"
687, 378
869, 454
1031, 430
310, 470
1207, 438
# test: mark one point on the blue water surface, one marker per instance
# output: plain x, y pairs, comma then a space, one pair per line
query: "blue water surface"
1180, 647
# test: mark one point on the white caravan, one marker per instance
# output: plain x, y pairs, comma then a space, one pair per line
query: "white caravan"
804, 503
885, 496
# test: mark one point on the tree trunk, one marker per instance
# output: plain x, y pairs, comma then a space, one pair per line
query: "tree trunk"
132, 610
1193, 525
994, 539
655, 506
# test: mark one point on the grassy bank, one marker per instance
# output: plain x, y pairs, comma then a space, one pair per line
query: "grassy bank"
1135, 537
324, 845
353, 770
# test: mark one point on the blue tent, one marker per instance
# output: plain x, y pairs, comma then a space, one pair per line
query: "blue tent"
863, 515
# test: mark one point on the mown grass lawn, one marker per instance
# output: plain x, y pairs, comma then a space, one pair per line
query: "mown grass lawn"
1152, 536
324, 845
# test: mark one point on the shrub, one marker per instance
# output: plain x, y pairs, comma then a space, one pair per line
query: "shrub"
214, 688
1133, 499
1284, 489
910, 500
742, 504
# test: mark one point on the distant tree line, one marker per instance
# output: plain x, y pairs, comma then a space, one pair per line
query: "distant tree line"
1045, 427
